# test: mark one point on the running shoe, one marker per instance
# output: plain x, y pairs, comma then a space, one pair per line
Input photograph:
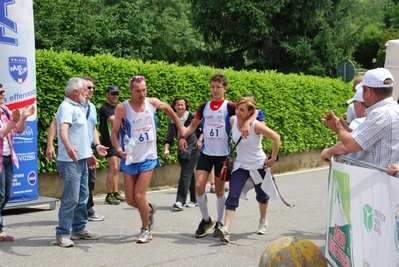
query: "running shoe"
96, 218
119, 197
65, 242
111, 200
203, 227
85, 235
178, 206
5, 238
145, 236
216, 229
262, 229
212, 190
225, 234
192, 204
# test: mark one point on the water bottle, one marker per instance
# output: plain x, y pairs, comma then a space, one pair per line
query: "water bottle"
129, 150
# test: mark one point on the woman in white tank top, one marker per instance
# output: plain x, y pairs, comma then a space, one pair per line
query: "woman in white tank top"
250, 161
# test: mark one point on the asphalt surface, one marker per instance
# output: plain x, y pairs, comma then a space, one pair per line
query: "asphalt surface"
174, 242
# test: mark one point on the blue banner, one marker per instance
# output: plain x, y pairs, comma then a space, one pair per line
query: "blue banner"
18, 76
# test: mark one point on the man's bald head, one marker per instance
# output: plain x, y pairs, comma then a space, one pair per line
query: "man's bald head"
356, 82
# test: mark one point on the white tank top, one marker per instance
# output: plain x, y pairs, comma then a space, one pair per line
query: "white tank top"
143, 129
216, 130
249, 150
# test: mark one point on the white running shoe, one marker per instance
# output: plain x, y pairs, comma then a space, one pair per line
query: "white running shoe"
145, 236
224, 234
262, 229
178, 206
192, 204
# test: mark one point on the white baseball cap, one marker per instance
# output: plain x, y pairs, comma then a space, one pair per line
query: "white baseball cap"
376, 78
357, 97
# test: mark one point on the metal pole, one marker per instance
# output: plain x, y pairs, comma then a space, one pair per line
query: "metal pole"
364, 164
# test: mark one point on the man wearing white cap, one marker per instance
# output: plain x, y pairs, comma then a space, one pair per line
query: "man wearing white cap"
350, 112
359, 109
377, 139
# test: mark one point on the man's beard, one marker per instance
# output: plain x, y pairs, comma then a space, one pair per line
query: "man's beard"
82, 100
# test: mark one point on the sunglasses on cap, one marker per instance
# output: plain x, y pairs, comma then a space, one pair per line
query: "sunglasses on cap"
137, 78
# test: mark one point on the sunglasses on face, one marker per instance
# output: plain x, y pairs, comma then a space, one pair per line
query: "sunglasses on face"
91, 87
115, 93
137, 78
2, 92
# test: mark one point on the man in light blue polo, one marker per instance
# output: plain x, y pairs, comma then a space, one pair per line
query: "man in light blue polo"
74, 149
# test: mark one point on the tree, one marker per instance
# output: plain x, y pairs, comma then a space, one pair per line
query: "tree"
311, 37
137, 29
379, 20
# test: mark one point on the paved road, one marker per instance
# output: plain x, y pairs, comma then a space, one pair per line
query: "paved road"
174, 243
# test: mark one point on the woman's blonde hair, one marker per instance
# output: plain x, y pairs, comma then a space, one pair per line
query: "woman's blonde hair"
249, 102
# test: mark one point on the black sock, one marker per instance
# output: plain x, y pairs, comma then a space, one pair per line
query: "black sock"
116, 193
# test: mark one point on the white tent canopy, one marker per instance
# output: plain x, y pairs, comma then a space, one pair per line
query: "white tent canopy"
392, 64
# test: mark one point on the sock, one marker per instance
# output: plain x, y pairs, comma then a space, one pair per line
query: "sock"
203, 205
108, 194
116, 193
220, 207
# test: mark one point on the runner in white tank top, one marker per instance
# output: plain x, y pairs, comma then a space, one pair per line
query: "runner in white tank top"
250, 162
138, 117
214, 116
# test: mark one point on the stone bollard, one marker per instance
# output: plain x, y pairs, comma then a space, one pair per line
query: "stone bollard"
292, 251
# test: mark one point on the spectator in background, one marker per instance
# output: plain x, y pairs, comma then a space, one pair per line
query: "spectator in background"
350, 113
261, 114
91, 116
10, 122
360, 109
107, 117
187, 160
74, 158
377, 139
211, 178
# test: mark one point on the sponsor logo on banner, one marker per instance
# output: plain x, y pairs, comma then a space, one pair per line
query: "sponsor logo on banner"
8, 27
27, 136
368, 217
339, 231
32, 178
26, 156
18, 67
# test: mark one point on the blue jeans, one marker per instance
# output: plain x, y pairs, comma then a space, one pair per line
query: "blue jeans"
72, 213
6, 177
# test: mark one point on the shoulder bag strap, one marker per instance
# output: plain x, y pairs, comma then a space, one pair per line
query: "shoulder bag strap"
88, 111
239, 139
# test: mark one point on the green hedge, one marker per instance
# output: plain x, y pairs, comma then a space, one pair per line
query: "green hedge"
293, 104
